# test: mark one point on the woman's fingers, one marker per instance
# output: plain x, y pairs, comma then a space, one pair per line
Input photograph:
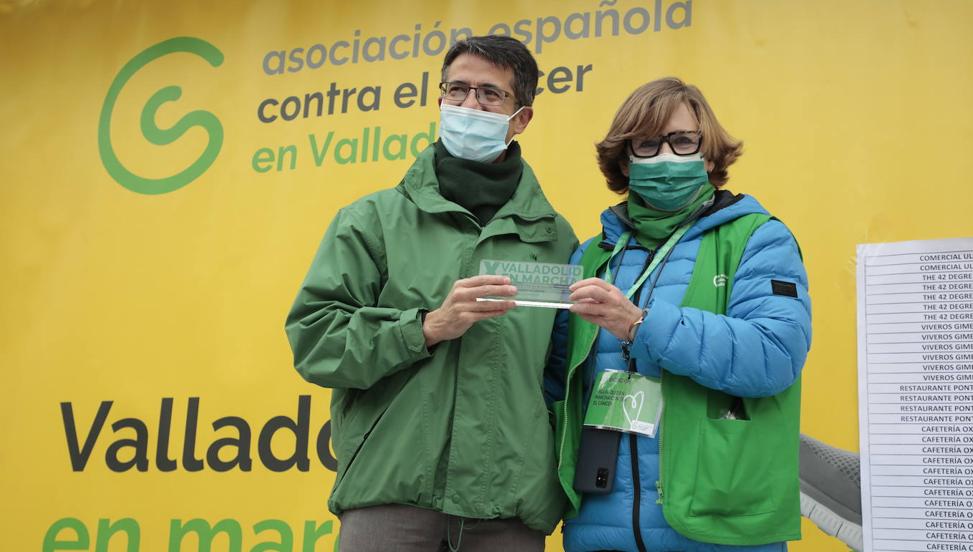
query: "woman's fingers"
597, 293
596, 282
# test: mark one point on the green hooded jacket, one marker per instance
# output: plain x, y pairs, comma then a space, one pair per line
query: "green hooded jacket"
463, 428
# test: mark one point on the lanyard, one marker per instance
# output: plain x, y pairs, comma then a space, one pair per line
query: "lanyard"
659, 256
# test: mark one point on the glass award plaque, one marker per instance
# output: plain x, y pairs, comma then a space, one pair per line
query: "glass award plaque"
538, 284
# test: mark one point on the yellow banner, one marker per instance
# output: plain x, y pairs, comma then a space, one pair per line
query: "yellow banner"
169, 168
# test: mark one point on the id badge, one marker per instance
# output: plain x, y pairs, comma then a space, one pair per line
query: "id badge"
625, 401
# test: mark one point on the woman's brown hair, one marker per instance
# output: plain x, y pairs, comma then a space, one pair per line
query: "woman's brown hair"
645, 113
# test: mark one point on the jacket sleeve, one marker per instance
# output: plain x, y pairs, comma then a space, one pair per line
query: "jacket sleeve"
339, 336
758, 348
556, 370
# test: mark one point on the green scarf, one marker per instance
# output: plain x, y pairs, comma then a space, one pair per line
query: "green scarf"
652, 226
480, 188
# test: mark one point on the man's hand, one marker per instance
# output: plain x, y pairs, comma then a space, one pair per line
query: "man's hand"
461, 310
603, 304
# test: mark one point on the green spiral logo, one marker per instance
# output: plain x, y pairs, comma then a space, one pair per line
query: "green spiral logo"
151, 131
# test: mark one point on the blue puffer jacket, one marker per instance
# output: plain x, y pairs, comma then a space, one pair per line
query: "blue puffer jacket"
756, 350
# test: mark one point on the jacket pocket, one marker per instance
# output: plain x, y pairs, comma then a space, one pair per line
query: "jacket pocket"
353, 446
731, 480
360, 413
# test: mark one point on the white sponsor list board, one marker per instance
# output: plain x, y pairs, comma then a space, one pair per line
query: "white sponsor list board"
915, 385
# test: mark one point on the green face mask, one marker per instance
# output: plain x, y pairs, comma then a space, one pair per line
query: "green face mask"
668, 182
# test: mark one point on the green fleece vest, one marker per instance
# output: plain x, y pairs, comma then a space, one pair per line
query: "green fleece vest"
723, 481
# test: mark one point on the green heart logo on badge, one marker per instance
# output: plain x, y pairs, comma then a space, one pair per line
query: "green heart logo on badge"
625, 401
632, 407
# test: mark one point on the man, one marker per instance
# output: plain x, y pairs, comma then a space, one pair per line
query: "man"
439, 423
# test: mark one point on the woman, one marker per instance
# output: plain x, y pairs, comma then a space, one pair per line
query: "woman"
678, 367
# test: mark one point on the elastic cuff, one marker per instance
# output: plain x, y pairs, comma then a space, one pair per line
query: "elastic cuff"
410, 324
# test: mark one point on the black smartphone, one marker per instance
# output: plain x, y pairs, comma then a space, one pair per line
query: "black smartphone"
597, 455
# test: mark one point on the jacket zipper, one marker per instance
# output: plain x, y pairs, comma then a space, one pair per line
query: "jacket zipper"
633, 441
636, 480
658, 483
633, 446
564, 414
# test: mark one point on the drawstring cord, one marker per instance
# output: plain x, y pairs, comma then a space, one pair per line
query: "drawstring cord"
459, 539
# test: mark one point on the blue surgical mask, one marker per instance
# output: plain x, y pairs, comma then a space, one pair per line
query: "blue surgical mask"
472, 133
668, 182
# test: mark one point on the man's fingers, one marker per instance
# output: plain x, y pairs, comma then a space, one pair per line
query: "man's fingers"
465, 295
476, 316
487, 305
482, 280
489, 290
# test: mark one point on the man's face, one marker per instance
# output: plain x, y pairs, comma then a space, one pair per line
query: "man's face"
475, 71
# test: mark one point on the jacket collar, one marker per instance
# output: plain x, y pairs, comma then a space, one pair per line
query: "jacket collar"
726, 207
527, 213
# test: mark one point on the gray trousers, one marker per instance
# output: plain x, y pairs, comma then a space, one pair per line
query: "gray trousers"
398, 528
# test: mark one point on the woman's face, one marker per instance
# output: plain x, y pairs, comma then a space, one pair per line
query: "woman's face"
682, 119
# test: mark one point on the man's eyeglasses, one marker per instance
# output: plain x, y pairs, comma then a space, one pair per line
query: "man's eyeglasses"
682, 142
457, 92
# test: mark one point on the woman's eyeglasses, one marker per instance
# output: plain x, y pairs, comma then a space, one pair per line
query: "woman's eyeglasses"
682, 142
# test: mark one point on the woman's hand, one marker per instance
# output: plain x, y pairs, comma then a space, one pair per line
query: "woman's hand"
603, 304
